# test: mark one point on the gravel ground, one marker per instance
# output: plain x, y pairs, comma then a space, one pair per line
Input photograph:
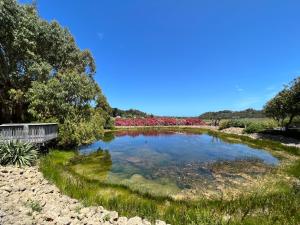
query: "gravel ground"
28, 199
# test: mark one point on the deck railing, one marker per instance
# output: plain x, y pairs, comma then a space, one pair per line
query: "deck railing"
34, 133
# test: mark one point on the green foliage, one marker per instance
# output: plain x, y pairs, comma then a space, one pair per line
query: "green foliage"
17, 153
109, 123
35, 206
233, 123
294, 169
32, 49
256, 127
285, 106
77, 131
131, 113
249, 125
227, 114
67, 95
66, 99
46, 77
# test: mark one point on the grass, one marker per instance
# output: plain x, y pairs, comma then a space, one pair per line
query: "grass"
35, 206
294, 170
279, 206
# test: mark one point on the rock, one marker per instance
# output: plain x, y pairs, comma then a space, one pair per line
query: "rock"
80, 216
113, 216
2, 214
122, 220
135, 221
7, 189
159, 222
64, 220
104, 215
47, 206
50, 216
146, 222
4, 171
21, 188
226, 218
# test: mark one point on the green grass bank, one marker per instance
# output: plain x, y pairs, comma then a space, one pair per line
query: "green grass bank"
280, 205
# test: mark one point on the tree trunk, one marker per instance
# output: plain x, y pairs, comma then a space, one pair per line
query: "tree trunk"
289, 122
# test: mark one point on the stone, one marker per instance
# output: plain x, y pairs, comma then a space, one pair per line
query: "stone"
7, 189
50, 216
122, 220
80, 216
2, 214
84, 210
64, 220
226, 218
135, 221
113, 216
19, 186
159, 222
146, 222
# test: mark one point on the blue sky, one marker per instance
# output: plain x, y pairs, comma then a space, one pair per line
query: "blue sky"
185, 57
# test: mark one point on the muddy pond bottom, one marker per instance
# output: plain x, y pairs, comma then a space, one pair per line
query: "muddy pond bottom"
180, 165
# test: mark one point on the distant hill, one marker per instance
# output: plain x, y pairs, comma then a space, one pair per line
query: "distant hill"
227, 114
128, 113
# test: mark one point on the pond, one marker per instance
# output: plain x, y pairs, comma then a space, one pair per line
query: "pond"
175, 164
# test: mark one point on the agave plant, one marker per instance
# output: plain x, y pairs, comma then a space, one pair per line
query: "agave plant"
17, 153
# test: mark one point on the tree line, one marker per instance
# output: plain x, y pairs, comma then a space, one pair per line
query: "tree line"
228, 114
46, 77
130, 113
283, 108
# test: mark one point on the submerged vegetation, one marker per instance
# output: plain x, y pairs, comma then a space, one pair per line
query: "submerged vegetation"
276, 203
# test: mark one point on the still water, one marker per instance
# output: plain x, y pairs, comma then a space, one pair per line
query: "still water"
172, 163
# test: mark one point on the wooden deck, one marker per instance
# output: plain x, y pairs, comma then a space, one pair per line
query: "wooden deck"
37, 133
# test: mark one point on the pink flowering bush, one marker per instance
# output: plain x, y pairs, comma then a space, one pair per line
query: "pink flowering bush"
158, 121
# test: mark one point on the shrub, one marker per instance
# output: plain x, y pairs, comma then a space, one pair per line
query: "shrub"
17, 153
75, 132
256, 127
233, 123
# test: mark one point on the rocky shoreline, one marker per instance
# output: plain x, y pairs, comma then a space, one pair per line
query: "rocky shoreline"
29, 199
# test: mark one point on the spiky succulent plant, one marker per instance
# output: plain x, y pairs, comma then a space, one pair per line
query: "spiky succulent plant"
17, 153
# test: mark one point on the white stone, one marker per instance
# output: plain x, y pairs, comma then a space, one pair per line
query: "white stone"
159, 222
135, 221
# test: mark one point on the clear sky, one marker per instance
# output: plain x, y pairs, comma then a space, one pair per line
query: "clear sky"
185, 57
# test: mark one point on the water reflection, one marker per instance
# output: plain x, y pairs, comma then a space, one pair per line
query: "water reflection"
171, 163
